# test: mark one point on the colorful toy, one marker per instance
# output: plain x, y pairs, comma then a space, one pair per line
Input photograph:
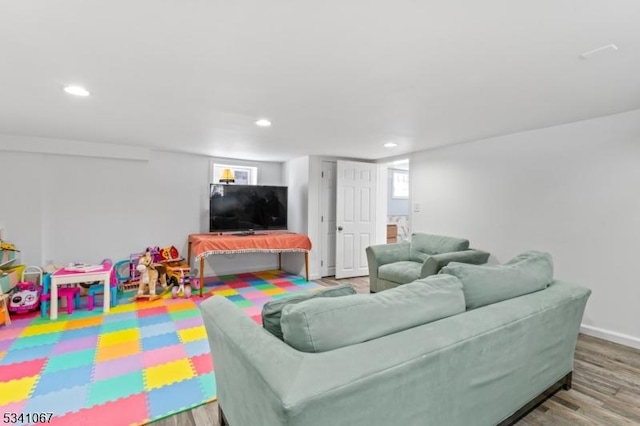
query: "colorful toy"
150, 274
25, 298
27, 293
182, 285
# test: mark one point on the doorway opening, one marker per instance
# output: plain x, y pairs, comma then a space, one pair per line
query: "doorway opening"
398, 201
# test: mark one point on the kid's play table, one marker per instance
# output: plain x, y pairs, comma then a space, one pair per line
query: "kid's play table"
204, 245
62, 277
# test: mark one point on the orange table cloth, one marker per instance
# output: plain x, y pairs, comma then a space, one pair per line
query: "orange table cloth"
203, 245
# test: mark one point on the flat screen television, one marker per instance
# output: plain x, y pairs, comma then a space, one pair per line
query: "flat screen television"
247, 208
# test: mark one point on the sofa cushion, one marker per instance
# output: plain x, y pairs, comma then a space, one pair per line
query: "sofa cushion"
323, 324
486, 284
400, 272
423, 245
271, 311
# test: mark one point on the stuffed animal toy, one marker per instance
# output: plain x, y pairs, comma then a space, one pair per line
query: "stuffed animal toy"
150, 273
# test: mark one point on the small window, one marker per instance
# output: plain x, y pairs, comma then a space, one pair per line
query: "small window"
243, 175
400, 184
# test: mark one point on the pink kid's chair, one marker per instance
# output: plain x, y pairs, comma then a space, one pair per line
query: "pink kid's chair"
72, 294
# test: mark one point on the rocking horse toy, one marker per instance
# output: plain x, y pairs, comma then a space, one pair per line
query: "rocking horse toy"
150, 274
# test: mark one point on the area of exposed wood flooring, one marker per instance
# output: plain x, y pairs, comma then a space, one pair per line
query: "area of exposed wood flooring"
606, 387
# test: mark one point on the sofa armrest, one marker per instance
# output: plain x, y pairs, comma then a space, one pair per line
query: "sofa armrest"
257, 365
382, 254
388, 253
433, 263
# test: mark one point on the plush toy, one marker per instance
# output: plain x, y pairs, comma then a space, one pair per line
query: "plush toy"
150, 274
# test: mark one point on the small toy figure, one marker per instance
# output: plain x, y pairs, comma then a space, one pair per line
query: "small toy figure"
25, 298
186, 282
150, 274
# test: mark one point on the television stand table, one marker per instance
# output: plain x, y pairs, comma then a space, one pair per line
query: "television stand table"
204, 245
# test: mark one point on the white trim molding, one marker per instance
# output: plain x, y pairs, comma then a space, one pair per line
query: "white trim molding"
40, 145
612, 336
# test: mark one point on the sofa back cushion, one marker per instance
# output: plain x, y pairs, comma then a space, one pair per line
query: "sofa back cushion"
272, 310
324, 324
423, 245
486, 284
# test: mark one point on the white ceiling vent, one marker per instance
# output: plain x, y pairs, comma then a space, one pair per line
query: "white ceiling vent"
608, 48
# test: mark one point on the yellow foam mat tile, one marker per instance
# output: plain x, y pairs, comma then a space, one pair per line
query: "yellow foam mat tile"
2, 354
122, 308
84, 322
273, 291
53, 327
117, 350
166, 374
227, 292
191, 334
121, 336
16, 390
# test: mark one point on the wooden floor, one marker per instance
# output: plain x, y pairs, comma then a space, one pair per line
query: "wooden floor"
606, 387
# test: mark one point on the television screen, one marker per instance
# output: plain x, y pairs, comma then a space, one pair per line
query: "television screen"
247, 207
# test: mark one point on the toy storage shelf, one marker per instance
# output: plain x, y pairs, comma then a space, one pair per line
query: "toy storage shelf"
7, 257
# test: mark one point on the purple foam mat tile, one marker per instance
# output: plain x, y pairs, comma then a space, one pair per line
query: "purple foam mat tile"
117, 367
6, 344
72, 345
260, 301
188, 323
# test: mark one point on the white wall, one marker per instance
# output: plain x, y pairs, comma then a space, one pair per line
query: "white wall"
296, 173
571, 190
69, 208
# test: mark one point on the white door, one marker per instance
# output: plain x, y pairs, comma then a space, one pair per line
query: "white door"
355, 217
328, 219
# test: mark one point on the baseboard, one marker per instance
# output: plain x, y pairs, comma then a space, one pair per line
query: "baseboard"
612, 336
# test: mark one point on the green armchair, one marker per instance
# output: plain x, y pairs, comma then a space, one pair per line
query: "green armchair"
391, 265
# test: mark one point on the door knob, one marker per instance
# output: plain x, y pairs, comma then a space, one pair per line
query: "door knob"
339, 228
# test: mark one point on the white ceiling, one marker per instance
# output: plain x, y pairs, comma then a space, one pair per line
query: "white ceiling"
335, 77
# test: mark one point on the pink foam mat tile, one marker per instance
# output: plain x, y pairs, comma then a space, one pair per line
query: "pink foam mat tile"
73, 345
117, 367
250, 295
152, 311
13, 407
163, 355
125, 411
202, 364
10, 332
253, 310
19, 370
238, 284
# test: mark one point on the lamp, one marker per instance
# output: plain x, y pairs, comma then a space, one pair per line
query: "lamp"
227, 176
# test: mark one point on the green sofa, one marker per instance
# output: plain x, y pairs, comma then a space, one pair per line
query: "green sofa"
391, 265
482, 364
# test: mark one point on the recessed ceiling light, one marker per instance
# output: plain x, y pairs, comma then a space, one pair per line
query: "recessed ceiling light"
263, 122
76, 90
390, 144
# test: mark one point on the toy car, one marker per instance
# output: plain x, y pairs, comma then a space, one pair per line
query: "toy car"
25, 298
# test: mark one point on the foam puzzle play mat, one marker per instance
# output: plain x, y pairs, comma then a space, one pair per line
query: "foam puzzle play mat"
142, 361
